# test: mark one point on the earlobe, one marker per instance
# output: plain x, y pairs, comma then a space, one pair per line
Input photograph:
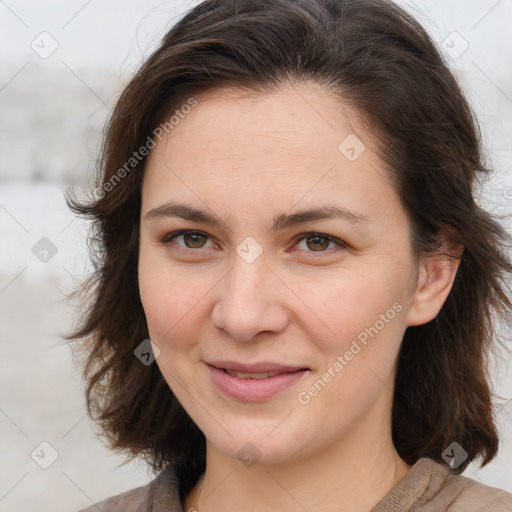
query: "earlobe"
435, 280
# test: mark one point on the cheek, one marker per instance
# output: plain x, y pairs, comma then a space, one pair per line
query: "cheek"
338, 308
367, 317
166, 294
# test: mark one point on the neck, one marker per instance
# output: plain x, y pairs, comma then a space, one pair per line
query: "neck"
352, 475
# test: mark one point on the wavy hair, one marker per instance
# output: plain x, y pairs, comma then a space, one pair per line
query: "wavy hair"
379, 61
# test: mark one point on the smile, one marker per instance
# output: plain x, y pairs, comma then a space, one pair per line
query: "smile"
254, 386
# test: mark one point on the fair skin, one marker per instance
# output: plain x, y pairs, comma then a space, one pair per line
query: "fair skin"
246, 159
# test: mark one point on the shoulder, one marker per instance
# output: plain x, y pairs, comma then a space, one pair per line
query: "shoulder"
470, 495
161, 493
128, 501
456, 493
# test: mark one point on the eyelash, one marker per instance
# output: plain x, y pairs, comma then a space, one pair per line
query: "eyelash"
171, 236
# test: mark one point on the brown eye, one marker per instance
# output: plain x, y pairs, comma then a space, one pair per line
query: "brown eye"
319, 242
187, 239
193, 240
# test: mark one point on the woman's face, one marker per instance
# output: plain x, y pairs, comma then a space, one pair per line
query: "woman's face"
270, 272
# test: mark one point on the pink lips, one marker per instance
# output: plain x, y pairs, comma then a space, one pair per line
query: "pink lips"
255, 367
252, 390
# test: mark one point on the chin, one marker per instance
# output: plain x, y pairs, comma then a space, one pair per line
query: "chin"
252, 444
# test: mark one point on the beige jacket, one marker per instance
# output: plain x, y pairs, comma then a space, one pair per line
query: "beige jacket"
428, 487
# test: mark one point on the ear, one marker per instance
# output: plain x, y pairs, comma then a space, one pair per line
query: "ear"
435, 279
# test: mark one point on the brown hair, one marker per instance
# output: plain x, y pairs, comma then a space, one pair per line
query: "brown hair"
381, 63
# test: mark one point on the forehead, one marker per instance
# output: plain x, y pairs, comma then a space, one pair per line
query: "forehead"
295, 115
296, 142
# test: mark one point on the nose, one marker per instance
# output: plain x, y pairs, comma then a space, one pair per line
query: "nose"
251, 300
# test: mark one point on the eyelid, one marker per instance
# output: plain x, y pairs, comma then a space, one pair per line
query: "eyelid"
337, 241
168, 238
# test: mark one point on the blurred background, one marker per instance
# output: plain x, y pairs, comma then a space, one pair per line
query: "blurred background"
62, 66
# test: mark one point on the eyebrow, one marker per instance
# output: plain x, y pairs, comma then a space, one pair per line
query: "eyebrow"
280, 222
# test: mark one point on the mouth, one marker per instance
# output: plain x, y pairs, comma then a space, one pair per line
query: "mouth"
254, 382
264, 367
259, 375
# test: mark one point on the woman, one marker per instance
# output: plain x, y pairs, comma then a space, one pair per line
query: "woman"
293, 301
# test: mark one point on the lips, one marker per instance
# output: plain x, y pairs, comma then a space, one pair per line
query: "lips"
254, 375
254, 382
263, 367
